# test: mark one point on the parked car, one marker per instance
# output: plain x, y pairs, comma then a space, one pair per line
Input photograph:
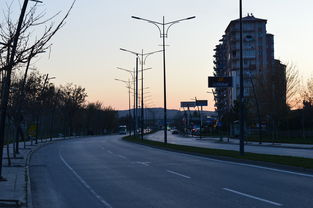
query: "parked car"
175, 131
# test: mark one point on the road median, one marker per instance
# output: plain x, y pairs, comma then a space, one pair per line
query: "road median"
290, 161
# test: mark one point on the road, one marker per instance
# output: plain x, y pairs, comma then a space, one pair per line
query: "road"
108, 172
299, 151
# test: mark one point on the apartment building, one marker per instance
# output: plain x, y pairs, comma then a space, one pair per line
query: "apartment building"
258, 60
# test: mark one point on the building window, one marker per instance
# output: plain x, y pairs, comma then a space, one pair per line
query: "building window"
234, 53
248, 38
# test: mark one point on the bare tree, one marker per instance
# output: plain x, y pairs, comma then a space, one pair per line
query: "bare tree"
307, 94
18, 45
293, 86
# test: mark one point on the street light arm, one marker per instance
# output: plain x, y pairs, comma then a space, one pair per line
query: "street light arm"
124, 69
145, 69
123, 49
152, 22
169, 27
127, 70
177, 21
121, 80
148, 54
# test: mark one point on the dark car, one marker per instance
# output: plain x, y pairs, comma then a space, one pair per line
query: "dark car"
175, 131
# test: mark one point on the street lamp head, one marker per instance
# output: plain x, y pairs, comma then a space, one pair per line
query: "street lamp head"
190, 17
123, 49
136, 17
37, 1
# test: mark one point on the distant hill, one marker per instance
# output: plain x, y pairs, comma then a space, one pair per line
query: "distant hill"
157, 113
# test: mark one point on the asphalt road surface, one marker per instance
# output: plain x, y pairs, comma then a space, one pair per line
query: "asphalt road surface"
108, 172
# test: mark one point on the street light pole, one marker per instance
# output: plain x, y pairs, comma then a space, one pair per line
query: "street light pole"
142, 60
132, 74
242, 129
129, 113
163, 35
164, 84
128, 86
136, 91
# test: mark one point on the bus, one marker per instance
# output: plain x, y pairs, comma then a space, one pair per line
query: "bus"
122, 129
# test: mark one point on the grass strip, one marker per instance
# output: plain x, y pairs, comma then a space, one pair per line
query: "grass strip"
306, 163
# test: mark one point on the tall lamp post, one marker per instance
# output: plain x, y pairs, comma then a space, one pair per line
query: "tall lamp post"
128, 86
143, 58
241, 97
163, 35
136, 88
132, 74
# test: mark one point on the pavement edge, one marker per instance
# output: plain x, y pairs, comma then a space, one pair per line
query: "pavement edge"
28, 195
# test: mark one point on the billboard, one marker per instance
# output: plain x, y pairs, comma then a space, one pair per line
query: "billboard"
220, 82
187, 104
201, 103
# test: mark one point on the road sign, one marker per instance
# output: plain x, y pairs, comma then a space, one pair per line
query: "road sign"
201, 103
220, 82
32, 130
188, 104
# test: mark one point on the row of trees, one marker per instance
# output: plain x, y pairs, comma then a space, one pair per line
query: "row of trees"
20, 42
48, 111
52, 111
31, 106
280, 105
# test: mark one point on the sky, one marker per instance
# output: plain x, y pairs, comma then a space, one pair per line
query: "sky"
86, 51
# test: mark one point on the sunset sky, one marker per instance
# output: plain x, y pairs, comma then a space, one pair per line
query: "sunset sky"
86, 51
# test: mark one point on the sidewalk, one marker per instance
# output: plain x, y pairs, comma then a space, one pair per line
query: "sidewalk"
15, 191
295, 150
236, 141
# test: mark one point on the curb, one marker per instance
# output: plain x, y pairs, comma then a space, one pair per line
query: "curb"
28, 196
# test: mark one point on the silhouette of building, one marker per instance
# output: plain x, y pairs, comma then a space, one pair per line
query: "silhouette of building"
259, 64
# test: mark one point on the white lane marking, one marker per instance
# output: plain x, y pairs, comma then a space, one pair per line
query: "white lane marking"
179, 174
253, 197
143, 163
106, 204
122, 156
273, 169
110, 152
242, 164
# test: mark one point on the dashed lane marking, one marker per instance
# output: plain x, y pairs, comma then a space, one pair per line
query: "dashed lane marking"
178, 174
253, 197
85, 184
